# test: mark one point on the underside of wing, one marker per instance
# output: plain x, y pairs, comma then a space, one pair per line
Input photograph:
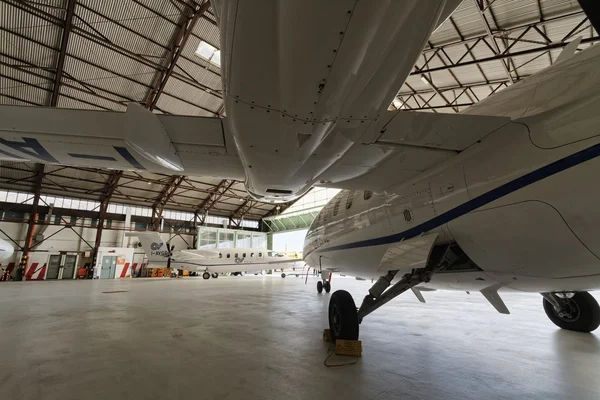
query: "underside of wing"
134, 140
404, 144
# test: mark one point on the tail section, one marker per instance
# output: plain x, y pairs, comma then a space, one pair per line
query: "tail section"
156, 249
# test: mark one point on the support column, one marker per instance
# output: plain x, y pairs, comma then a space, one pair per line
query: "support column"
33, 216
111, 185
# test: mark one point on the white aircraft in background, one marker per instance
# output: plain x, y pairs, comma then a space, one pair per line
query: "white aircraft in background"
499, 197
212, 262
6, 250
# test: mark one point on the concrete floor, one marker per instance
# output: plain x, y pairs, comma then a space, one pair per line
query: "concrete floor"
260, 338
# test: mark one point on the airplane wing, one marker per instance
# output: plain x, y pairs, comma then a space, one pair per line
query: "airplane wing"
403, 144
134, 140
194, 255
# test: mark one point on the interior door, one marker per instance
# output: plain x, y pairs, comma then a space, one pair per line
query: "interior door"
108, 266
53, 267
69, 266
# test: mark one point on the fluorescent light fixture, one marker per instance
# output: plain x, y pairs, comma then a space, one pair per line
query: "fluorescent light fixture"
397, 103
425, 81
209, 53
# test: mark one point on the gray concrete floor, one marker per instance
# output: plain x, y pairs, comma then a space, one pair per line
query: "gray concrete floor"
260, 338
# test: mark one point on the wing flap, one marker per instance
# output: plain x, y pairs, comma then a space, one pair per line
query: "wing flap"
408, 254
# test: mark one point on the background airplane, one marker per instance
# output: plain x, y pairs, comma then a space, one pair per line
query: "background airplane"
211, 262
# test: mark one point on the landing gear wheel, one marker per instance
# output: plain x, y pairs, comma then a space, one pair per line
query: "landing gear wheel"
327, 286
580, 313
283, 275
215, 275
319, 287
206, 275
343, 317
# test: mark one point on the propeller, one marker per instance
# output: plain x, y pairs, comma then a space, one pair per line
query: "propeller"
170, 250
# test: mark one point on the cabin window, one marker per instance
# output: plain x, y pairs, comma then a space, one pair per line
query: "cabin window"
220, 255
251, 254
367, 195
349, 199
336, 207
260, 254
237, 255
228, 255
244, 255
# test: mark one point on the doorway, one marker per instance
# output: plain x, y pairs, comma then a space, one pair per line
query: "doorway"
53, 267
69, 266
108, 267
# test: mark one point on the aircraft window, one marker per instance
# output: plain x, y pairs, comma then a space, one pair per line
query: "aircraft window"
260, 254
244, 255
228, 255
274, 254
220, 255
236, 255
367, 195
336, 207
251, 254
349, 199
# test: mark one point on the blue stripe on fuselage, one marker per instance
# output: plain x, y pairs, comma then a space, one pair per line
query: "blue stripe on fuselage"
486, 198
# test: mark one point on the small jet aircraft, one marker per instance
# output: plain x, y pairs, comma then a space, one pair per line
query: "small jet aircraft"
512, 207
211, 262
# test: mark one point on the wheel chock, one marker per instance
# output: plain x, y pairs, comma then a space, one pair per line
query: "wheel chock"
348, 348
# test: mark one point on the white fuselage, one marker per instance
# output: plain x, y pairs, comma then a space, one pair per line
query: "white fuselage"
229, 260
304, 80
521, 203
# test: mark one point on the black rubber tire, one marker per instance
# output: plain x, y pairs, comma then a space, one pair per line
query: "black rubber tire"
214, 275
282, 275
206, 275
589, 314
319, 287
327, 286
343, 317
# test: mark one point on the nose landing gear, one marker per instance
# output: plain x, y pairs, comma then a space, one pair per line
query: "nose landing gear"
577, 311
324, 283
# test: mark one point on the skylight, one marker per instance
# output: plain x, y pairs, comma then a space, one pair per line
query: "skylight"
209, 53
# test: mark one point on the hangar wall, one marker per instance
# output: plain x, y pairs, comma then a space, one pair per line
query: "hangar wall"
62, 239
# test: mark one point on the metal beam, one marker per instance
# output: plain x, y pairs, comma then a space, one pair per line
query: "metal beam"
242, 210
163, 198
63, 51
33, 215
109, 189
181, 39
548, 47
212, 198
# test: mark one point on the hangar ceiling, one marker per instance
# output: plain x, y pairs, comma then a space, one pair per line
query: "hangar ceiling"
96, 54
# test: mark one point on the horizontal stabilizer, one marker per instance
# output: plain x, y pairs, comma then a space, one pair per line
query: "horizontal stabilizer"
491, 294
133, 140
